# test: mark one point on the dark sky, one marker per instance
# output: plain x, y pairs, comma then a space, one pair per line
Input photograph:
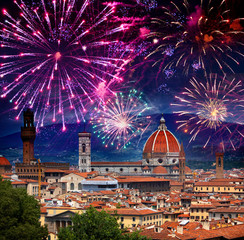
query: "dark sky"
159, 93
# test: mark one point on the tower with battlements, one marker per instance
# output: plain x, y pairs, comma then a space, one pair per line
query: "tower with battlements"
28, 135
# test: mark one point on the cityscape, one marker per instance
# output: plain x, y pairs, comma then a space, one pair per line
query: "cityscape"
121, 120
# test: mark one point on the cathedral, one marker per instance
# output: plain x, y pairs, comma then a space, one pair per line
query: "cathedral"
162, 156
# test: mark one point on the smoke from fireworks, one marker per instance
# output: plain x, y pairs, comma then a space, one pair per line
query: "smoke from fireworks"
121, 119
59, 53
197, 35
212, 106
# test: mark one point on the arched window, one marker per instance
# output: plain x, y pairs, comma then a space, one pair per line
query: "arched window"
72, 186
121, 169
83, 147
219, 160
135, 169
79, 186
107, 169
160, 160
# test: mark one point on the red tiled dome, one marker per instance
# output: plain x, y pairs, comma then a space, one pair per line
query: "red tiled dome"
4, 161
162, 141
160, 170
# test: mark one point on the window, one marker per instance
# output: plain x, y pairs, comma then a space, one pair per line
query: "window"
121, 169
72, 186
79, 186
106, 169
160, 160
133, 219
122, 219
135, 169
83, 147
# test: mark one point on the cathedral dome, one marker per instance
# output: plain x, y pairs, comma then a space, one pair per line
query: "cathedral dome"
162, 141
4, 161
160, 170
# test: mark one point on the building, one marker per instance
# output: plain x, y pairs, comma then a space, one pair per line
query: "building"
5, 165
84, 152
99, 183
29, 168
144, 183
219, 165
162, 156
226, 213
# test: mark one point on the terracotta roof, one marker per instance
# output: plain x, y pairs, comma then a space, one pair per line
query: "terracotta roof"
136, 211
146, 168
140, 179
207, 206
4, 161
228, 210
160, 170
233, 232
225, 184
161, 141
175, 168
19, 183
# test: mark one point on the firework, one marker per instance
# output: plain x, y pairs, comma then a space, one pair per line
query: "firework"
197, 35
121, 119
212, 107
58, 52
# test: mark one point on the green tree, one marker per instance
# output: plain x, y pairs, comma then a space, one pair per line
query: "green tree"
95, 225
19, 214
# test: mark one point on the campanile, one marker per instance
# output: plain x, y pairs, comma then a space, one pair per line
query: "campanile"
28, 135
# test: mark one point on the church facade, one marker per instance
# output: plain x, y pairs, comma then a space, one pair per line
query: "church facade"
162, 156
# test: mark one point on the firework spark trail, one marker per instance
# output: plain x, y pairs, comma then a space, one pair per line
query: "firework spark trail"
201, 35
58, 52
212, 105
121, 119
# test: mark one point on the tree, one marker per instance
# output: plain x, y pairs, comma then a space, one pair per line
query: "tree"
95, 225
19, 214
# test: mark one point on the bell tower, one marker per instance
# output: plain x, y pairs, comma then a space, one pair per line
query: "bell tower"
182, 163
219, 165
28, 135
84, 152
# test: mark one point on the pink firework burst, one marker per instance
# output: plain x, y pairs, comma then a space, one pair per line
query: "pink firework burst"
57, 55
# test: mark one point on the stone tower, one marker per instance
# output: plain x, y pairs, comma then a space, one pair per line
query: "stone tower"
84, 152
219, 165
182, 164
28, 135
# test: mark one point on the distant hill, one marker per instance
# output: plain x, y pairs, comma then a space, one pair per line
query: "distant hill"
52, 144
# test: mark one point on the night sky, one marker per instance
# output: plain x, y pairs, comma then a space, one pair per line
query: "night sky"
159, 89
